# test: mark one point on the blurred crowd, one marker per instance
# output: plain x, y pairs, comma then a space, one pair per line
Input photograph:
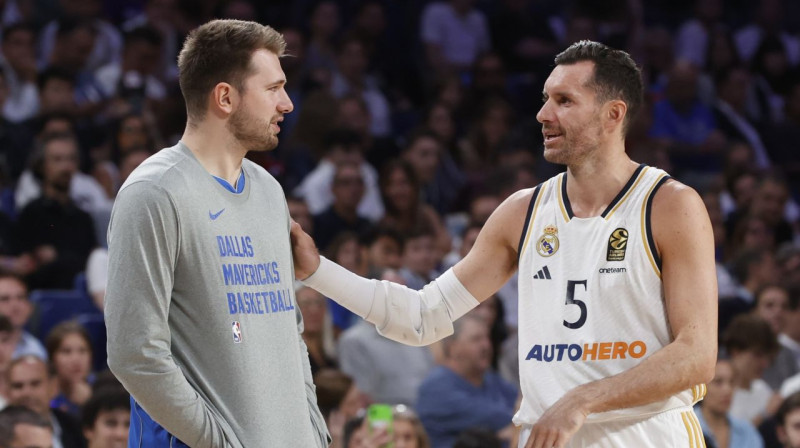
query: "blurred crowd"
412, 121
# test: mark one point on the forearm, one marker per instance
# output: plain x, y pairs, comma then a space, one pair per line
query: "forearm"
679, 366
399, 313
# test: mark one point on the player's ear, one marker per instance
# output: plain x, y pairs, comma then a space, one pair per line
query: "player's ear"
616, 112
224, 99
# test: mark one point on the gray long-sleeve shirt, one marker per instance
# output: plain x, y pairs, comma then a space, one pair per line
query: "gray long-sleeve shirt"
203, 327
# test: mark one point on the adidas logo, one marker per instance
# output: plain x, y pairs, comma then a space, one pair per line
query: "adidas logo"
543, 274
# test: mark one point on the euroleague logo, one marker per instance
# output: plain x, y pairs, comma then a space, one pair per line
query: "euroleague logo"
617, 243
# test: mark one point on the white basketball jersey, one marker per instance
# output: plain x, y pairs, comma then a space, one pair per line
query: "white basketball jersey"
591, 302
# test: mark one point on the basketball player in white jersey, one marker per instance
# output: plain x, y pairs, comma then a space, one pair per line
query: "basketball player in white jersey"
617, 285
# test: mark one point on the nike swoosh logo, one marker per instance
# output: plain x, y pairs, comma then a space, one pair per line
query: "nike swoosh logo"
214, 216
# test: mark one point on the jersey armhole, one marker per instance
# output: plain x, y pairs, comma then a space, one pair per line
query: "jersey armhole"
527, 220
648, 208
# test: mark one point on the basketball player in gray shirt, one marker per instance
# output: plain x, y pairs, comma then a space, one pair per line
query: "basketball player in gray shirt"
203, 327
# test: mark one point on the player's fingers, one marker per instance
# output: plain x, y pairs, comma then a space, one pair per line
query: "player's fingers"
552, 437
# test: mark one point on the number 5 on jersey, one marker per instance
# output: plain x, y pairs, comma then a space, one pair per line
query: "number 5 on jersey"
571, 300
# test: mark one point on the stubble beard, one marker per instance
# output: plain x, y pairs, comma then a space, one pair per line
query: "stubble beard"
253, 133
575, 148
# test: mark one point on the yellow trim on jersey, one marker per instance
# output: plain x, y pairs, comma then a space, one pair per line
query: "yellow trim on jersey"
644, 229
689, 429
533, 215
701, 441
628, 193
561, 199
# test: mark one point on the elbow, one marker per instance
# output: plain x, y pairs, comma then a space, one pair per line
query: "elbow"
706, 368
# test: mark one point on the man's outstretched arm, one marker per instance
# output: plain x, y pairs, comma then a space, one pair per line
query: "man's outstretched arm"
425, 316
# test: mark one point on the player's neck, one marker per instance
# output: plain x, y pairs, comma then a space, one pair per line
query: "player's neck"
596, 181
216, 149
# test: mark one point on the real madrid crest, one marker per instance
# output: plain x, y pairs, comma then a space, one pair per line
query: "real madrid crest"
548, 243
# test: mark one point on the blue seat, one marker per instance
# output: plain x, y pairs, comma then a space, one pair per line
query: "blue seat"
96, 327
80, 284
55, 306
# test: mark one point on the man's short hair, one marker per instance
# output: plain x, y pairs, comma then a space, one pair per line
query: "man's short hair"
789, 405
750, 332
12, 416
616, 75
221, 51
15, 27
53, 73
104, 400
144, 33
342, 139
39, 152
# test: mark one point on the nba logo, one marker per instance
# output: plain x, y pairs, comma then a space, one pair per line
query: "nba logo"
237, 331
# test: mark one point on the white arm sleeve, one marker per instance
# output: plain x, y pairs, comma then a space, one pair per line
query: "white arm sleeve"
399, 313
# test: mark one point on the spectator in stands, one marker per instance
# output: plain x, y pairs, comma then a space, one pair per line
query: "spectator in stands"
21, 427
85, 191
14, 139
772, 305
103, 50
481, 146
70, 352
405, 211
769, 204
685, 123
407, 430
52, 228
454, 34
14, 305
317, 328
56, 92
751, 233
752, 269
790, 338
751, 345
298, 210
387, 371
106, 418
441, 181
353, 115
721, 429
29, 386
463, 393
134, 77
19, 69
769, 21
339, 401
693, 39
384, 250
731, 111
342, 146
523, 36
6, 353
342, 215
72, 50
351, 78
420, 257
789, 421
324, 23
